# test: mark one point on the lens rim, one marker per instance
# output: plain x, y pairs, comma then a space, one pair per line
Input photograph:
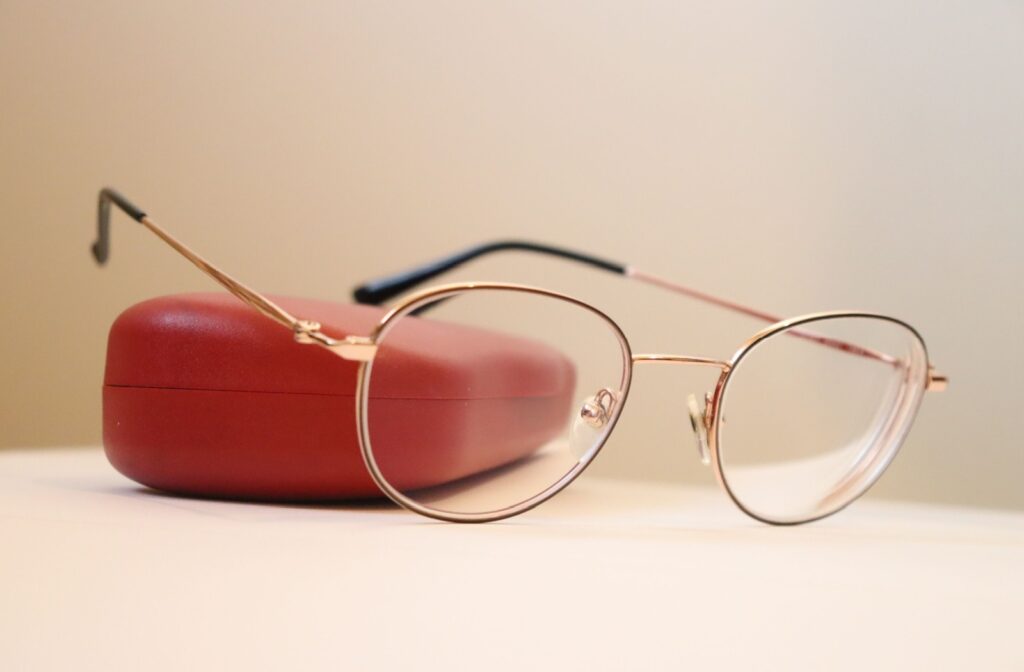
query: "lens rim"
432, 295
727, 375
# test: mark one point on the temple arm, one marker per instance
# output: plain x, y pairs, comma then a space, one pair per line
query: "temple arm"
101, 251
376, 292
380, 290
305, 331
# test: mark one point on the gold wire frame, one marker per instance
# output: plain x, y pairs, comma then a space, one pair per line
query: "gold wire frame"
714, 422
712, 414
432, 295
363, 349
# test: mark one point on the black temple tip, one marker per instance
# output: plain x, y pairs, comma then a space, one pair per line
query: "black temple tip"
100, 251
378, 291
101, 248
365, 295
110, 195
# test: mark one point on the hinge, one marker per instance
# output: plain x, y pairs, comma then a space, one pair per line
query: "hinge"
356, 348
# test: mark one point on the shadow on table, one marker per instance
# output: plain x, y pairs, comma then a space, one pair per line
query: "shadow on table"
584, 502
633, 511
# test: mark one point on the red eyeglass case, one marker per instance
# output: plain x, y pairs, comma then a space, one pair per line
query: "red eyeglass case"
204, 396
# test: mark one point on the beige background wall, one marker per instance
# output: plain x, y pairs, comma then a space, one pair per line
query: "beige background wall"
794, 156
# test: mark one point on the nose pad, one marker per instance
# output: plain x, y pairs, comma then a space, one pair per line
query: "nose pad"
700, 429
595, 413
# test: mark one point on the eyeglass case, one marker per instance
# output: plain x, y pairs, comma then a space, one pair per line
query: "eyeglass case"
204, 396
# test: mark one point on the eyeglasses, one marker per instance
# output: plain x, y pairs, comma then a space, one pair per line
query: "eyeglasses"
803, 419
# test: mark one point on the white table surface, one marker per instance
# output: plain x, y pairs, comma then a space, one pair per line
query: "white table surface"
98, 573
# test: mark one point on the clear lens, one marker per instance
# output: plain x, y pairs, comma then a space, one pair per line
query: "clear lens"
483, 402
812, 415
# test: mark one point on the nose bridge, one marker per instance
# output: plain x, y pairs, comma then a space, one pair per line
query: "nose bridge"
700, 418
662, 358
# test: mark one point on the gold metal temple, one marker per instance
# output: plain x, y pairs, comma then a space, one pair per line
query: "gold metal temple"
307, 332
